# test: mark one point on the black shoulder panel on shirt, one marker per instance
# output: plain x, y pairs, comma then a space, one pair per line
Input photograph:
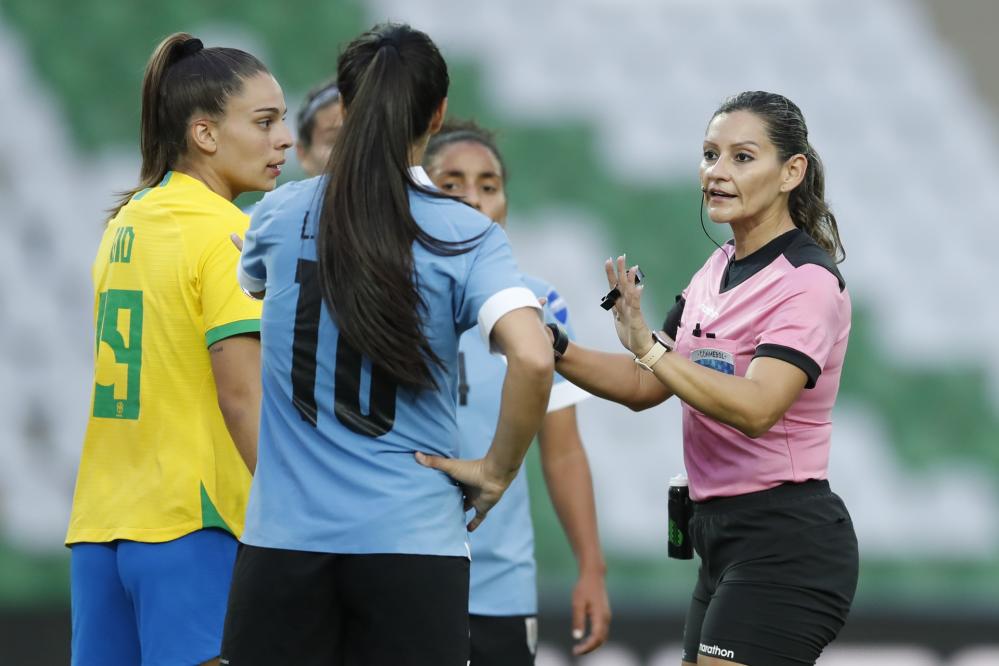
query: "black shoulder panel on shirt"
795, 358
804, 250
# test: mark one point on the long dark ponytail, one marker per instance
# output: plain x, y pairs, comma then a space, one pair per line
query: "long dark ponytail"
788, 132
392, 79
181, 79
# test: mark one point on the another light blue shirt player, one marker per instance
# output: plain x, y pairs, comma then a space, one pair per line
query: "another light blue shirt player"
503, 579
463, 161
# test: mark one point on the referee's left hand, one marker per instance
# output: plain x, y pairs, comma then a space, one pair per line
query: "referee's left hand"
481, 491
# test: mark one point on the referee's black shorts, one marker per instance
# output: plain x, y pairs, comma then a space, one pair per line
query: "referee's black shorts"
777, 577
302, 608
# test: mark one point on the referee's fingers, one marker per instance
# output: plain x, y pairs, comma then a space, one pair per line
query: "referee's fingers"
611, 276
622, 272
237, 241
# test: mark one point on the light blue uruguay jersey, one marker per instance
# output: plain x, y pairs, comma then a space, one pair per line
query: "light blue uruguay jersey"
336, 471
503, 569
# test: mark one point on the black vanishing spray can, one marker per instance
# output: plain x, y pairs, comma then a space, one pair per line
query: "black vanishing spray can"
679, 509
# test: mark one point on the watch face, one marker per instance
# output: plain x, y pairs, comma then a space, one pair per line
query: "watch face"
665, 342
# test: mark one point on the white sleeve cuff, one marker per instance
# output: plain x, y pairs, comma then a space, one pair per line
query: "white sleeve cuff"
250, 285
566, 394
499, 304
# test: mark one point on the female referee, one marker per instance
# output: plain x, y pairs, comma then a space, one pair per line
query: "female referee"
161, 490
754, 349
354, 552
464, 161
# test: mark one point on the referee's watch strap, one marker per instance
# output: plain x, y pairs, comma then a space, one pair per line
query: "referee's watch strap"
659, 348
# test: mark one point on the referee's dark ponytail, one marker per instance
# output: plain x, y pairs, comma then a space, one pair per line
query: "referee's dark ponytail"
392, 80
788, 132
181, 79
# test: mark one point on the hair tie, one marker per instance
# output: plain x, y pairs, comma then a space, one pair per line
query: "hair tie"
388, 41
326, 96
189, 47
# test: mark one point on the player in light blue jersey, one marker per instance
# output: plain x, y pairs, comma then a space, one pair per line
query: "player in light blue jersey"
463, 160
318, 122
355, 552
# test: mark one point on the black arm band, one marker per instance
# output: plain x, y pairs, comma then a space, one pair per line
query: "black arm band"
561, 340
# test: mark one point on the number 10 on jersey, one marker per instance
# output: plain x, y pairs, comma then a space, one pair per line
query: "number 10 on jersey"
347, 377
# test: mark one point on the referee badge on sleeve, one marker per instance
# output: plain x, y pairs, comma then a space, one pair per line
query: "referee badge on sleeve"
716, 359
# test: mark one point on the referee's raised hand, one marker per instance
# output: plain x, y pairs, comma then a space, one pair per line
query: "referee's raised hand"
629, 322
482, 490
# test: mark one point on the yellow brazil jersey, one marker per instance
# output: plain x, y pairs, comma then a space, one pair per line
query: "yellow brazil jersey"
158, 462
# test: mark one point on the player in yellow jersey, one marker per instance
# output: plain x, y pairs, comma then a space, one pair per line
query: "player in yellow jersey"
172, 435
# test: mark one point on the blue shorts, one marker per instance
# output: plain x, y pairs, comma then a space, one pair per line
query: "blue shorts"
155, 604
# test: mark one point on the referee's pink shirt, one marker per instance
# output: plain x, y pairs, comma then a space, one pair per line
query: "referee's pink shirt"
797, 313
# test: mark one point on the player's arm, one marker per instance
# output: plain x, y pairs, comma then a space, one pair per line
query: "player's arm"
232, 331
520, 335
508, 316
570, 486
236, 367
242, 276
